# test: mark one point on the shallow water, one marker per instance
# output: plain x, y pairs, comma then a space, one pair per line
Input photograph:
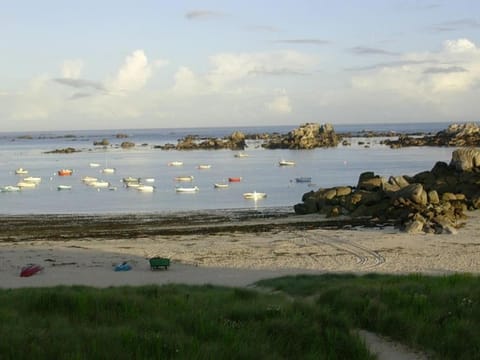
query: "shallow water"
259, 172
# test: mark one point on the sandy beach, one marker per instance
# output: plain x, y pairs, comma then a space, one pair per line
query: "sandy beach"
249, 250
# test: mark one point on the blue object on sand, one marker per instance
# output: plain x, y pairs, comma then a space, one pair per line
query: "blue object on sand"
123, 267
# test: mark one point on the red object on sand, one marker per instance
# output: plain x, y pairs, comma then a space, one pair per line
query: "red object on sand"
234, 179
30, 270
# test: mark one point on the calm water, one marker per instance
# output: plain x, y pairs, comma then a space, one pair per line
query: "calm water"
259, 171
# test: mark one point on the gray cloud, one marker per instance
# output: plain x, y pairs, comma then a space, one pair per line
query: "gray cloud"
363, 50
80, 83
277, 72
303, 41
263, 28
203, 15
80, 95
448, 70
391, 64
454, 25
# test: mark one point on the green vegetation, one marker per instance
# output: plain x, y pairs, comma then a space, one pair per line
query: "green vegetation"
174, 321
440, 315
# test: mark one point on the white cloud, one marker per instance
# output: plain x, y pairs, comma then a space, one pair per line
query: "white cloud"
186, 82
72, 69
459, 46
279, 105
133, 75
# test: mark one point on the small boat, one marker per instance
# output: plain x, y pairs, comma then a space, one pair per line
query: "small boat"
204, 166
89, 179
65, 172
32, 179
234, 179
30, 270
11, 188
184, 178
183, 189
99, 184
123, 267
254, 195
286, 163
108, 170
21, 171
241, 155
132, 184
175, 163
130, 179
64, 187
145, 188
26, 185
303, 179
220, 185
94, 165
149, 180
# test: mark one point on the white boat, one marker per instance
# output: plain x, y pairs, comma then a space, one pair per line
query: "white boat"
204, 166
64, 187
190, 189
32, 179
220, 185
11, 188
149, 180
94, 165
133, 184
108, 170
184, 178
89, 179
99, 184
241, 155
130, 179
286, 163
175, 163
146, 188
26, 185
21, 171
254, 195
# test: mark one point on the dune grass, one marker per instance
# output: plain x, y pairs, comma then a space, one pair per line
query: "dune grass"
439, 314
169, 322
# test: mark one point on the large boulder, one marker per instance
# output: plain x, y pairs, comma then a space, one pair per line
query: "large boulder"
465, 159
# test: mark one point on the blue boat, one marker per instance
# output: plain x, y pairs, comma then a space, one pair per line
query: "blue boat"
123, 267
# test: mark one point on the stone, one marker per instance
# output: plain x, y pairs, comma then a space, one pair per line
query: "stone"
465, 159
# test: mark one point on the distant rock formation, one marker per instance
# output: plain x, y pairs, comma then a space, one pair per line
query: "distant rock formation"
67, 150
235, 141
432, 201
307, 136
103, 142
458, 135
127, 145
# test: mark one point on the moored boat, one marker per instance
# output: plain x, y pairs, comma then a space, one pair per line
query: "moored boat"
30, 270
204, 166
184, 178
254, 195
21, 171
11, 188
89, 179
241, 155
65, 172
175, 163
303, 179
64, 187
94, 165
286, 163
32, 179
220, 185
108, 170
146, 188
184, 189
26, 185
99, 184
234, 179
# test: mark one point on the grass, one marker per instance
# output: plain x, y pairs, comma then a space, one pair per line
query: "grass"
440, 314
172, 322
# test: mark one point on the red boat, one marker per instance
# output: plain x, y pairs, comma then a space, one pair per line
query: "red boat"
65, 172
234, 179
30, 270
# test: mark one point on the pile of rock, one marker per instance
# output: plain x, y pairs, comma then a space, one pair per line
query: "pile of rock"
458, 135
432, 201
236, 141
307, 136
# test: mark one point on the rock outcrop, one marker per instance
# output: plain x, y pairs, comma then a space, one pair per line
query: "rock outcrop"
235, 141
432, 201
307, 136
458, 135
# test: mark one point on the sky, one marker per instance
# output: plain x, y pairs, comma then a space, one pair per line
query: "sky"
115, 64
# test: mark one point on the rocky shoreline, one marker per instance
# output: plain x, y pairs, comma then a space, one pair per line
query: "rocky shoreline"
434, 201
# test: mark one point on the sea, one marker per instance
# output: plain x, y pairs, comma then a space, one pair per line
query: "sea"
259, 171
